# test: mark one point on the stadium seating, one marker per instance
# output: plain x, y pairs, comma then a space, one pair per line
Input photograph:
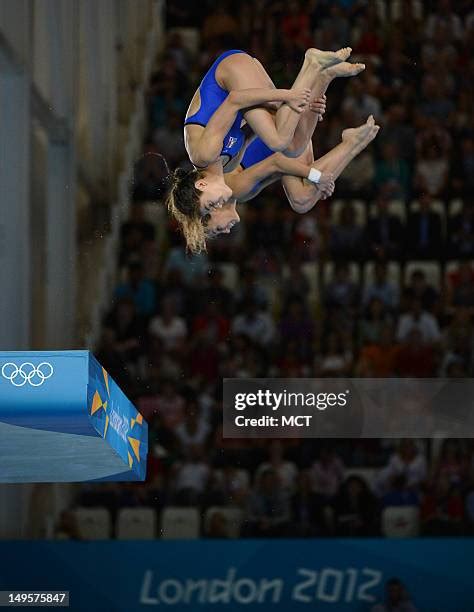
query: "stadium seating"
359, 207
180, 523
393, 273
400, 521
93, 523
366, 474
232, 515
136, 524
432, 270
395, 207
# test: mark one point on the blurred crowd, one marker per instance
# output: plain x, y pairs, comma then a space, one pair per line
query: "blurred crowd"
378, 281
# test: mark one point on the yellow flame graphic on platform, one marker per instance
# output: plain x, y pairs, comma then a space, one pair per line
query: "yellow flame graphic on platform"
98, 403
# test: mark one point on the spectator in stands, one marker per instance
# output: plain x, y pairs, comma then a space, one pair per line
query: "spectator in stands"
231, 485
419, 289
369, 40
168, 330
167, 404
336, 357
331, 23
399, 493
444, 17
296, 283
297, 326
218, 24
415, 358
356, 181
203, 357
169, 139
139, 289
213, 322
392, 173
251, 289
193, 268
407, 461
307, 236
346, 240
129, 328
431, 132
399, 130
176, 49
327, 474
461, 286
379, 357
463, 168
384, 231
424, 234
306, 512
191, 477
418, 319
452, 463
397, 598
360, 103
134, 233
435, 102
194, 430
175, 290
255, 324
432, 172
381, 288
376, 319
458, 340
290, 364
295, 25
285, 470
215, 291
268, 512
166, 95
341, 291
355, 509
461, 232
442, 508
268, 232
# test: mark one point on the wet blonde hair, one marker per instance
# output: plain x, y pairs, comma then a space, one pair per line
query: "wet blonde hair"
183, 205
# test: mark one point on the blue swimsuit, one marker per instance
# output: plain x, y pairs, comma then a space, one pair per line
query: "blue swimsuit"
212, 96
255, 152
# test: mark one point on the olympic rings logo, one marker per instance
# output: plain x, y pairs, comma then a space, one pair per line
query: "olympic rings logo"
27, 373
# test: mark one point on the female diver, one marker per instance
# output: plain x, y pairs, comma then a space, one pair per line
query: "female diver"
266, 167
237, 100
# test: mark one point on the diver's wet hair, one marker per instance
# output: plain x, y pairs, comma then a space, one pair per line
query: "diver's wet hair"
183, 204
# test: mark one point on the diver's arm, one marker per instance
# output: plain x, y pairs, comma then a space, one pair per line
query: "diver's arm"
206, 148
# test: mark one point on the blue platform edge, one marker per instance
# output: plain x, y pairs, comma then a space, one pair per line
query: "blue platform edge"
64, 419
117, 420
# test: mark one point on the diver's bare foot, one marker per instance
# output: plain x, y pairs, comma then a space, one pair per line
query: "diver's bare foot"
360, 136
326, 59
344, 69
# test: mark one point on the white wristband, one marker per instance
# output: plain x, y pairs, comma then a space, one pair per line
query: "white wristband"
314, 175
